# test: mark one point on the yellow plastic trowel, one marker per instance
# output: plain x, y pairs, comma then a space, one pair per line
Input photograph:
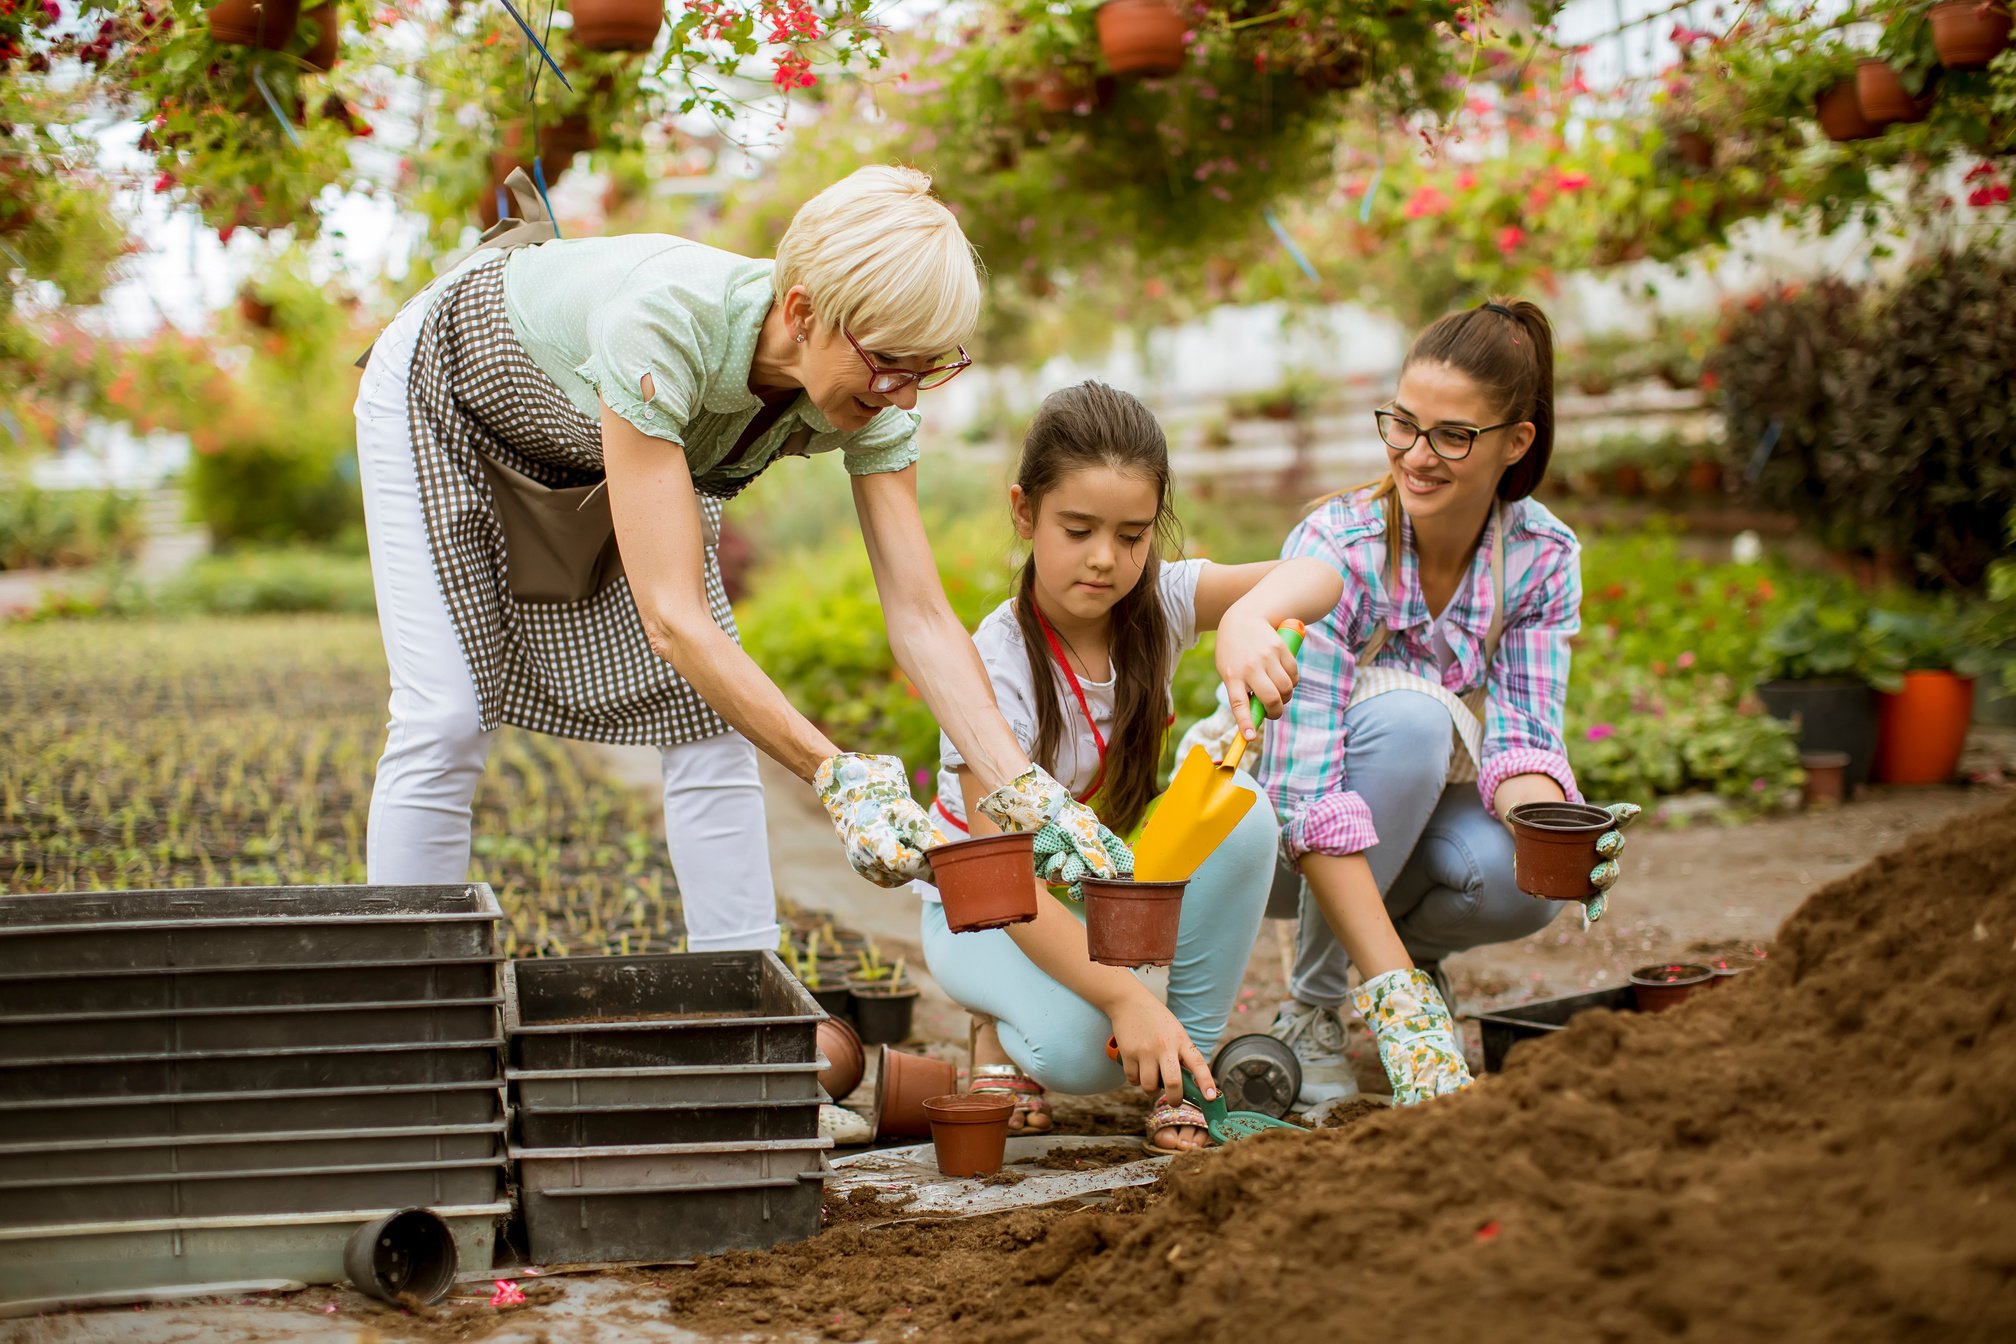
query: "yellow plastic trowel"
1203, 803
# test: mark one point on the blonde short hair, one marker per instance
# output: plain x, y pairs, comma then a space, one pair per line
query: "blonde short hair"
881, 256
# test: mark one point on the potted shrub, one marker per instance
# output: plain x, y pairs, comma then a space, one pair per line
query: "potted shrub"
1921, 727
1969, 34
1819, 669
884, 1001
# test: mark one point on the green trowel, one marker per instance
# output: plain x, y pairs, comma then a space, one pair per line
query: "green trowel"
1226, 1124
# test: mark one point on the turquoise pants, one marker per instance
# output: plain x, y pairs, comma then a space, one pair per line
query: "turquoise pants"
1058, 1038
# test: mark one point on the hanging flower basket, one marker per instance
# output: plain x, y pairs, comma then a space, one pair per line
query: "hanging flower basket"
1967, 35
1880, 93
1839, 113
255, 23
617, 25
1141, 38
322, 52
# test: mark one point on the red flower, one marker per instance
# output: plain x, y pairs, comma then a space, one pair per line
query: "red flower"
1426, 202
1571, 181
1509, 238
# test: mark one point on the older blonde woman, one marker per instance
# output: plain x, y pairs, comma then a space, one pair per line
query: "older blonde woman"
546, 437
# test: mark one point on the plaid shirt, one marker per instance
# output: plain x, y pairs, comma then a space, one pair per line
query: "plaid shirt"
1305, 764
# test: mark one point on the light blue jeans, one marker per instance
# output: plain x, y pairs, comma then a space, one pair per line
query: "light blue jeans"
1058, 1038
1443, 862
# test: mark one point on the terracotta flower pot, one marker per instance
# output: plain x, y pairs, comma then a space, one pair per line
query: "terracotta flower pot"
1142, 38
902, 1083
1628, 480
882, 1012
1922, 729
986, 883
617, 25
1704, 476
254, 23
1132, 923
1060, 91
322, 52
1839, 112
1882, 97
1969, 34
1554, 848
1658, 988
1694, 149
560, 141
1826, 778
846, 1061
970, 1134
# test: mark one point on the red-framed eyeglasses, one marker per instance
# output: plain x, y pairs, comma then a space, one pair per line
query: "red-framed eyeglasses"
886, 381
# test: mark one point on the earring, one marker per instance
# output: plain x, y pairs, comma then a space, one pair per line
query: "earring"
800, 338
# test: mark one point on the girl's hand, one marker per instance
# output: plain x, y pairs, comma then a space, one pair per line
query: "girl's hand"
1154, 1049
885, 831
1253, 662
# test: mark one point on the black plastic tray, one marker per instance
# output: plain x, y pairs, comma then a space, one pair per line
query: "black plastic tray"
194, 1154
405, 1105
311, 1069
200, 1030
566, 1089
231, 1193
151, 989
605, 1126
1508, 1026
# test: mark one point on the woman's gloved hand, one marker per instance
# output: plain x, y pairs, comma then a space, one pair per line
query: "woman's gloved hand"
1416, 1037
884, 829
1071, 845
1605, 874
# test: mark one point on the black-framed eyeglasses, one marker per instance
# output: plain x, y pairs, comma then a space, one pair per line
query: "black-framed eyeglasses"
886, 381
1451, 443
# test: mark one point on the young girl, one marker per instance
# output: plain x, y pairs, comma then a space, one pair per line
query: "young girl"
1081, 660
1431, 702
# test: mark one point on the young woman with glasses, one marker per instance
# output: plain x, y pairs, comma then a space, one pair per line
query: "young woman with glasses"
546, 436
1430, 702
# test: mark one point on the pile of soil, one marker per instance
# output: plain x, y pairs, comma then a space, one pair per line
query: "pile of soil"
1824, 1149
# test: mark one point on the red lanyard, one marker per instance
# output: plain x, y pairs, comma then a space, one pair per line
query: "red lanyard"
1098, 738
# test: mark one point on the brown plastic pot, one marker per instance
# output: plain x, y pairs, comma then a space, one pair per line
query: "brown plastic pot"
1657, 988
1969, 34
617, 25
903, 1082
970, 1133
254, 23
323, 51
1132, 923
1554, 848
1881, 93
846, 1059
988, 882
1839, 112
1142, 38
1826, 778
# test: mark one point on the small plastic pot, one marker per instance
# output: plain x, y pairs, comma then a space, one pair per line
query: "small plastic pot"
882, 1011
837, 1000
405, 1258
1132, 923
970, 1133
846, 1060
1657, 988
1826, 778
988, 883
903, 1082
1554, 848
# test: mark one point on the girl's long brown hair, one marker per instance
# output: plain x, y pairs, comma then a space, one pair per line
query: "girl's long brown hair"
1093, 425
1512, 358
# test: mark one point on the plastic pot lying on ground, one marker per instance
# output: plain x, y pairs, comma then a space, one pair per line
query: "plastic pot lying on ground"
1132, 923
406, 1258
882, 1011
1661, 987
986, 883
970, 1133
846, 1060
902, 1084
1826, 778
1554, 848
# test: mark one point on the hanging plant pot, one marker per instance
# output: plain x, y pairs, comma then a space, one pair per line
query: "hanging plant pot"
617, 25
1141, 38
1060, 92
1969, 34
1338, 72
1695, 149
255, 310
254, 23
1881, 94
561, 140
327, 39
1922, 729
1839, 112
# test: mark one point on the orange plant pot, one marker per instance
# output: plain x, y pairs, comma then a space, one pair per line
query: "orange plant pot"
1922, 729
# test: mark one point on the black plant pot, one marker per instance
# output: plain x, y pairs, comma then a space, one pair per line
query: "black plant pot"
837, 1001
882, 1015
1838, 714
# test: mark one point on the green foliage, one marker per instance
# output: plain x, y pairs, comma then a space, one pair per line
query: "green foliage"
1633, 735
41, 529
1817, 641
256, 581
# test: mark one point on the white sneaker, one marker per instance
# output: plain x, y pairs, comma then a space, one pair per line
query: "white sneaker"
1316, 1034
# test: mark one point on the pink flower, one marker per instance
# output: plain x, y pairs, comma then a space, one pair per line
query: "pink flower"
1599, 731
1509, 238
1426, 202
1685, 660
1571, 181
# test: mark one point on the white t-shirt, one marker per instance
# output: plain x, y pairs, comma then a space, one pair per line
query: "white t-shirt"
999, 640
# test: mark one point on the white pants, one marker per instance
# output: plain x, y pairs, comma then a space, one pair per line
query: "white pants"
419, 827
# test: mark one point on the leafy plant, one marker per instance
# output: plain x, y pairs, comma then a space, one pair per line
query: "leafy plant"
1820, 641
872, 970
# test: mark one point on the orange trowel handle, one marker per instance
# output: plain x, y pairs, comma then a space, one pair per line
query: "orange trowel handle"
1291, 635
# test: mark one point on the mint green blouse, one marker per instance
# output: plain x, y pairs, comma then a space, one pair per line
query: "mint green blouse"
597, 314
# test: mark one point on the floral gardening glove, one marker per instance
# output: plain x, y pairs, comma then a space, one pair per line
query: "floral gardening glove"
1071, 845
1605, 874
1417, 1039
885, 831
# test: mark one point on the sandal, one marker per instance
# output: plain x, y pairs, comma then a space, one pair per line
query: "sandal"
1030, 1105
1179, 1116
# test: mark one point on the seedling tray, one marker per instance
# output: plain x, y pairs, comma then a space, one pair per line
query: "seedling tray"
391, 1064
51, 1038
52, 1200
152, 990
562, 1089
703, 1008
618, 1126
1508, 1026
405, 1106
86, 1159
